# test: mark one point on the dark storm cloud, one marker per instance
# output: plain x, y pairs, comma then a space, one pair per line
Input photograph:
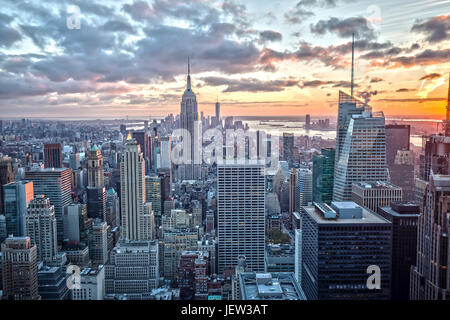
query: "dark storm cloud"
376, 79
404, 90
250, 84
8, 35
431, 76
118, 26
270, 35
427, 57
345, 27
436, 29
333, 84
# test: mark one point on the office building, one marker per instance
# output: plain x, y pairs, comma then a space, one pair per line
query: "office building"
132, 269
55, 184
96, 191
41, 228
189, 122
397, 139
430, 276
92, 284
323, 176
339, 244
153, 195
74, 161
375, 194
98, 248
113, 207
288, 148
53, 157
77, 254
19, 269
3, 231
292, 190
298, 256
241, 214
401, 173
74, 216
144, 139
304, 188
132, 188
193, 275
404, 217
52, 283
173, 243
6, 176
16, 197
218, 112
360, 149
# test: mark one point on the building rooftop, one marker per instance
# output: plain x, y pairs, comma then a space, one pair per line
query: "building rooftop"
367, 216
375, 185
270, 286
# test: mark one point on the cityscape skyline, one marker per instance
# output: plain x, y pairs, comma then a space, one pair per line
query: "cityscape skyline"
261, 195
128, 57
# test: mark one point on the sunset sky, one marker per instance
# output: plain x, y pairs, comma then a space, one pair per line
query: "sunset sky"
257, 57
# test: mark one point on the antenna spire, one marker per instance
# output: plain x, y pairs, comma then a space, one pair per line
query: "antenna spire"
353, 64
447, 113
448, 98
189, 75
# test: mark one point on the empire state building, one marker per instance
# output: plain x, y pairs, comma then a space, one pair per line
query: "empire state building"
189, 122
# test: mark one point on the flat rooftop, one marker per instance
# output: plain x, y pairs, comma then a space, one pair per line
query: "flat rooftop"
367, 217
270, 286
375, 185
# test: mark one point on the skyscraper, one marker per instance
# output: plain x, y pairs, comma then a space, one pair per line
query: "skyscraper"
241, 215
437, 150
304, 188
96, 191
55, 184
430, 276
132, 269
144, 139
218, 112
6, 176
41, 228
397, 138
375, 194
404, 217
19, 269
53, 155
323, 176
339, 243
95, 168
189, 122
153, 195
288, 148
98, 248
361, 149
132, 189
401, 173
17, 196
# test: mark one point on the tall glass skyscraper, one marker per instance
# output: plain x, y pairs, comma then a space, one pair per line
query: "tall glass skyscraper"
55, 184
360, 147
323, 175
241, 214
17, 195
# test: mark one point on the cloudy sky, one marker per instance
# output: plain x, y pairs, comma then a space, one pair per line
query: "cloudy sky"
284, 57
